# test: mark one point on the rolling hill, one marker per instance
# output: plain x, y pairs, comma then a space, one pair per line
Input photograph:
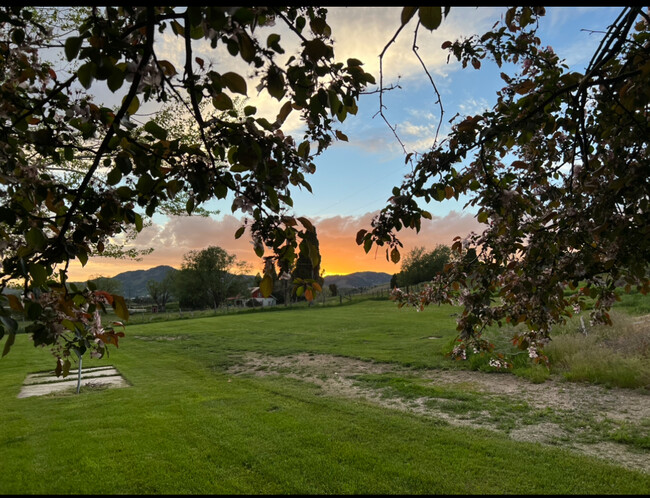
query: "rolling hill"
358, 279
134, 283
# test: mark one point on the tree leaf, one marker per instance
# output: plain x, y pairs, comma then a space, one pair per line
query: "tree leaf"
38, 273
284, 112
156, 130
72, 46
9, 342
222, 102
408, 13
115, 80
120, 307
430, 17
341, 136
134, 105
266, 286
234, 82
14, 303
306, 223
86, 74
394, 255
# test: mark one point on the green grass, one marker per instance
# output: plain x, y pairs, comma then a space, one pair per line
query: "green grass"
186, 426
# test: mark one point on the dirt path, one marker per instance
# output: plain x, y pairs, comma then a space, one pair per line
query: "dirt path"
571, 415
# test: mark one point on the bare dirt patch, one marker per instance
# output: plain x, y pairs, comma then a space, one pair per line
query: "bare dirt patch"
571, 415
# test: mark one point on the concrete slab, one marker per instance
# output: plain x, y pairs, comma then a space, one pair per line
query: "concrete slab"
42, 383
50, 377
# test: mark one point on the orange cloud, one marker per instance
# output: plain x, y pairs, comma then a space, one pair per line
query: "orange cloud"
339, 252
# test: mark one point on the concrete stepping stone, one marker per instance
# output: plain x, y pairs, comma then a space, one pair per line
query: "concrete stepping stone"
42, 383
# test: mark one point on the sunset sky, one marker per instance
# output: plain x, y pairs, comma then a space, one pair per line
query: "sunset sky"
353, 180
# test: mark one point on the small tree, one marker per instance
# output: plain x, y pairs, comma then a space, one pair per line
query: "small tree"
334, 290
307, 280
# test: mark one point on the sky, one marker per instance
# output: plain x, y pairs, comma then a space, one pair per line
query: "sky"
354, 179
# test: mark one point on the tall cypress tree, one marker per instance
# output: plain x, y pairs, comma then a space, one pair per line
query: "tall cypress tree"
308, 261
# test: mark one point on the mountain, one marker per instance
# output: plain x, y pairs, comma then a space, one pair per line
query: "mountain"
358, 279
134, 283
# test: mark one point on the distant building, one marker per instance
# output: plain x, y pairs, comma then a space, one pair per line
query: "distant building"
255, 299
256, 295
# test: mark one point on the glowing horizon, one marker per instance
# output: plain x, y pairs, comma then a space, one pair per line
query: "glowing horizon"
340, 255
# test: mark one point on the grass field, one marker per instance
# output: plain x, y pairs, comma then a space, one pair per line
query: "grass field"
194, 420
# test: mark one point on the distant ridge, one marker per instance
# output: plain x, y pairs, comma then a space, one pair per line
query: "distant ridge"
134, 283
358, 279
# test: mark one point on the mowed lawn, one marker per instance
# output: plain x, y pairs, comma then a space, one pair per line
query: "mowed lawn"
187, 426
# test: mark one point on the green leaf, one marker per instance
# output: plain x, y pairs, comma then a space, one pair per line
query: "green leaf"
10, 341
240, 231
138, 222
35, 238
9, 323
394, 255
114, 176
303, 149
316, 49
72, 46
38, 273
234, 82
284, 112
407, 14
300, 290
86, 74
430, 17
246, 47
306, 223
275, 83
222, 102
115, 80
83, 257
482, 217
367, 244
156, 130
133, 106
119, 305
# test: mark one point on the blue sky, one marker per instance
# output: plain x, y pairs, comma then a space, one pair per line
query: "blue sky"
353, 180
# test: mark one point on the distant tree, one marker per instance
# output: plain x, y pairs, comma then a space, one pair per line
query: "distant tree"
160, 292
184, 288
213, 273
393, 281
421, 265
334, 290
107, 284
